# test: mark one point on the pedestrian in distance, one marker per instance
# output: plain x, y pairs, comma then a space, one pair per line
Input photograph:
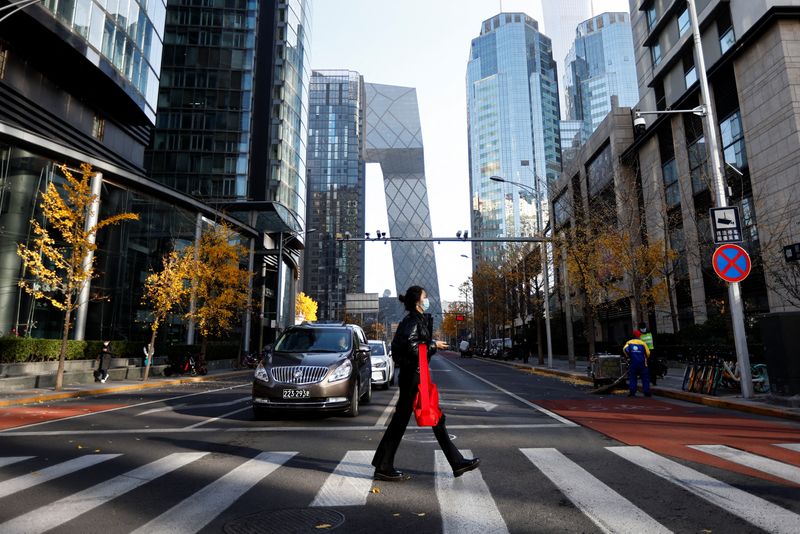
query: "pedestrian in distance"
637, 352
103, 363
414, 330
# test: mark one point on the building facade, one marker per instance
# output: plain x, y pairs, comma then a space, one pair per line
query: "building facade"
234, 135
87, 92
513, 127
600, 64
336, 191
560, 20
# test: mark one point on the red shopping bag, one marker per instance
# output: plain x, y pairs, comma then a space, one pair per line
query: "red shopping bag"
426, 405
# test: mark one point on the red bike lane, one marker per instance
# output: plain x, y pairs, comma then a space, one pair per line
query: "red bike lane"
18, 416
669, 428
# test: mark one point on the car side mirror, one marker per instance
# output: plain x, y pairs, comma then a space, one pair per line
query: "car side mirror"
364, 348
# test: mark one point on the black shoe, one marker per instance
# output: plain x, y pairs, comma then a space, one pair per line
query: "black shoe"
389, 475
465, 465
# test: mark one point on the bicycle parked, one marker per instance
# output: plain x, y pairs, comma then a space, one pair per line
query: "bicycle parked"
731, 377
181, 365
706, 374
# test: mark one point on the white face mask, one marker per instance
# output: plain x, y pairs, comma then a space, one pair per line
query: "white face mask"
426, 304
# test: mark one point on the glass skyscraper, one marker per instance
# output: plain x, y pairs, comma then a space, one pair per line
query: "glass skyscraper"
514, 130
335, 169
600, 64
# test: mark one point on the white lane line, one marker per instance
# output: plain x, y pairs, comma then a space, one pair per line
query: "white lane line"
189, 406
68, 508
256, 429
753, 461
199, 509
388, 410
607, 509
791, 446
350, 482
751, 508
8, 460
465, 503
514, 396
223, 416
11, 486
7, 430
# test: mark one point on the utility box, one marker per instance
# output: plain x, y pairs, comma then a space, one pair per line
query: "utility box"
779, 332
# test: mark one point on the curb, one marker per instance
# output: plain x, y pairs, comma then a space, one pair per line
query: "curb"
686, 396
117, 389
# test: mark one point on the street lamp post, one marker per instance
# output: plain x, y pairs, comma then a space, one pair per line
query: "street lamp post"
545, 269
706, 111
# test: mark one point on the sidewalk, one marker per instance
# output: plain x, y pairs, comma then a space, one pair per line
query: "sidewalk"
670, 386
36, 396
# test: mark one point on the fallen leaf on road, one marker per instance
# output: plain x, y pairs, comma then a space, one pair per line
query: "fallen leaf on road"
323, 525
396, 514
80, 446
375, 490
419, 514
97, 450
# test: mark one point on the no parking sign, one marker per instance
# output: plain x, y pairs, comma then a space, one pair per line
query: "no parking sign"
731, 263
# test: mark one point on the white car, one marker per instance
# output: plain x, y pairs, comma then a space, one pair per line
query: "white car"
382, 364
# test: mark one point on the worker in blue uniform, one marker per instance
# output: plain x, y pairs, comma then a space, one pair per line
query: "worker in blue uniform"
638, 353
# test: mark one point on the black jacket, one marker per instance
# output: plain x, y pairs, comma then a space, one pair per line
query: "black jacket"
414, 330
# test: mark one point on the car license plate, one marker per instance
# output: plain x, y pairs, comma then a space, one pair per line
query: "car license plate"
296, 393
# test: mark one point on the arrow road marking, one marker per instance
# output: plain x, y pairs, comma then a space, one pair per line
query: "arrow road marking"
488, 406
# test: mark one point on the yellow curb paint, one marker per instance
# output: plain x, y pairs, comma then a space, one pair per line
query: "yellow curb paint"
117, 389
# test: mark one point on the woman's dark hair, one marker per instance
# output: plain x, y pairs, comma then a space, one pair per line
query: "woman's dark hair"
411, 297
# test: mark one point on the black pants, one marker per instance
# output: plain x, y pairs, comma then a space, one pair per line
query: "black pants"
384, 456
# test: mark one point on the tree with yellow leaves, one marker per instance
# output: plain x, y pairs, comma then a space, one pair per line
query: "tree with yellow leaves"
59, 266
164, 291
219, 284
305, 307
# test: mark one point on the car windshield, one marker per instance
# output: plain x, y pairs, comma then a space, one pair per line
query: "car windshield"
376, 349
314, 340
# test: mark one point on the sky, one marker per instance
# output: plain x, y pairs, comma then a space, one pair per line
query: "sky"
422, 44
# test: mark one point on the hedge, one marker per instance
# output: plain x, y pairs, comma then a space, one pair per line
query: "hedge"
27, 349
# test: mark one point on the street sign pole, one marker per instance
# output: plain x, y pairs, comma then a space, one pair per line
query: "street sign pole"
734, 293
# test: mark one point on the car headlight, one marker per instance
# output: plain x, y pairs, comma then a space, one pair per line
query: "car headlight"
261, 373
342, 372
379, 364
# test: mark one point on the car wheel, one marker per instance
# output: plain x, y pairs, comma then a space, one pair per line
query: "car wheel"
352, 411
367, 398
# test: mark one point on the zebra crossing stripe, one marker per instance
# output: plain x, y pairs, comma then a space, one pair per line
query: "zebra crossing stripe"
791, 446
199, 509
759, 463
465, 503
606, 508
68, 508
24, 482
350, 482
751, 508
8, 460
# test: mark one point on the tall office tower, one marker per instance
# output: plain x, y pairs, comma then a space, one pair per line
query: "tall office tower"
514, 130
561, 17
600, 64
232, 126
394, 139
336, 192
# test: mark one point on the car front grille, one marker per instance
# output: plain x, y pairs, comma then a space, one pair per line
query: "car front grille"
299, 374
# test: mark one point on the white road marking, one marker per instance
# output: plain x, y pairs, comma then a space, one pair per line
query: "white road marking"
753, 461
751, 508
190, 406
256, 429
8, 460
465, 503
125, 407
488, 406
791, 446
223, 416
350, 482
11, 486
68, 508
514, 396
199, 509
607, 509
381, 422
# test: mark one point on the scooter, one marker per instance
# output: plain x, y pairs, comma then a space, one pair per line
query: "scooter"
179, 365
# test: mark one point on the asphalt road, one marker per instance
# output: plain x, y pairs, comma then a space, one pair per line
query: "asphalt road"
191, 458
